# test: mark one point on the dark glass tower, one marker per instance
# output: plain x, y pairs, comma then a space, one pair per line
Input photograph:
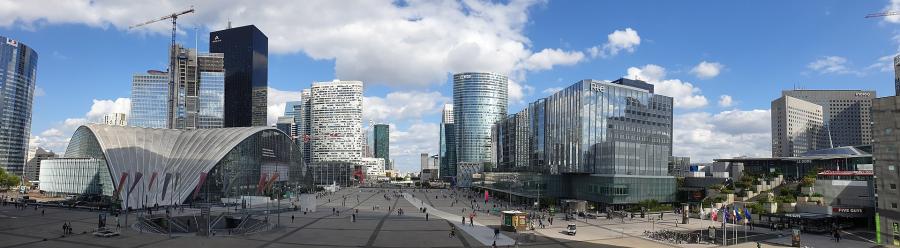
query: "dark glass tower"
382, 144
246, 74
18, 70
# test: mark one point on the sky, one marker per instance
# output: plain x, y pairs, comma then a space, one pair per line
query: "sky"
722, 61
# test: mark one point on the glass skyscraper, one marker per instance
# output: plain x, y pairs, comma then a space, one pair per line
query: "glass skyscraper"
479, 101
149, 100
246, 52
447, 153
382, 144
18, 70
605, 142
212, 99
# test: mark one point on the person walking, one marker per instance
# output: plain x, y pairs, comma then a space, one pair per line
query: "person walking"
464, 220
292, 218
496, 234
452, 231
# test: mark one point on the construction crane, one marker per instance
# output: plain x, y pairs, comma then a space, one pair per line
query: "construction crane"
882, 14
173, 16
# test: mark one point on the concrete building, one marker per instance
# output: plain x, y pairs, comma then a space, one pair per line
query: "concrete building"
796, 127
382, 143
447, 144
246, 51
18, 72
479, 100
886, 133
336, 118
115, 119
897, 75
196, 95
374, 167
607, 143
33, 166
169, 166
846, 114
150, 99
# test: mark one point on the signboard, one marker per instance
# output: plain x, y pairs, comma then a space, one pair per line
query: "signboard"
12, 42
595, 86
846, 210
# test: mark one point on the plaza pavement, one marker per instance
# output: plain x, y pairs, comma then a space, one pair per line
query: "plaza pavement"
373, 228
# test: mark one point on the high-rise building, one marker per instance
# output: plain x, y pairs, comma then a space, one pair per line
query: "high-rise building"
846, 115
424, 161
336, 118
897, 75
479, 101
149, 100
293, 109
382, 134
246, 52
33, 166
196, 93
886, 157
18, 71
614, 136
447, 146
796, 127
286, 125
115, 119
304, 124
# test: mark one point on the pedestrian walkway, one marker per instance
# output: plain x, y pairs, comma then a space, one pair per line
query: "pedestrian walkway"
480, 232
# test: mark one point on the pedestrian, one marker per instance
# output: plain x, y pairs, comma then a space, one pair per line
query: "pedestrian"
42, 212
426, 216
292, 218
452, 231
64, 227
837, 235
352, 217
464, 220
333, 211
496, 234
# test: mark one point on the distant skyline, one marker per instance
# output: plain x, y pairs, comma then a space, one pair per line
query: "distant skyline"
722, 62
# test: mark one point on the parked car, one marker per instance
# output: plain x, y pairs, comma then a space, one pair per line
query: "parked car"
570, 229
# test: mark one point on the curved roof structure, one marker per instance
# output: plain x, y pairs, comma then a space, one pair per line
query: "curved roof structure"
156, 166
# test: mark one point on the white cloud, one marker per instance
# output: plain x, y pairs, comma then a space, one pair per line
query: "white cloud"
57, 137
551, 90
725, 101
516, 92
619, 40
39, 91
832, 65
707, 70
402, 106
704, 136
686, 96
407, 145
547, 58
413, 43
893, 6
104, 107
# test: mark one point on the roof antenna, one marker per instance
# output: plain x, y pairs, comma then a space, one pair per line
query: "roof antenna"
229, 23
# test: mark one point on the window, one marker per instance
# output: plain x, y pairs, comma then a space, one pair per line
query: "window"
890, 167
893, 186
893, 205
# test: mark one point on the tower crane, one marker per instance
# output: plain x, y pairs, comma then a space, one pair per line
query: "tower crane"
883, 14
173, 16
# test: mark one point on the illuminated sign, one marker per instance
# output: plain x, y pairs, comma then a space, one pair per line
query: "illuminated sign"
846, 210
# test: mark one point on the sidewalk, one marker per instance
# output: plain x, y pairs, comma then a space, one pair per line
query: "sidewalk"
480, 232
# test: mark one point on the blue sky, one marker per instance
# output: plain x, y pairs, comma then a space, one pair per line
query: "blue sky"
404, 52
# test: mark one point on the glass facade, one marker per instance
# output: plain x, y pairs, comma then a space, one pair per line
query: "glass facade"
85, 176
212, 99
479, 101
149, 100
18, 71
382, 136
448, 150
246, 74
607, 142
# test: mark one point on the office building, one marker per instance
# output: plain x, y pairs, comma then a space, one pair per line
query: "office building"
796, 127
196, 95
897, 76
33, 166
886, 155
168, 166
846, 116
246, 51
679, 166
479, 101
294, 110
304, 124
150, 100
382, 143
286, 125
115, 119
18, 72
447, 146
374, 167
424, 160
336, 118
607, 143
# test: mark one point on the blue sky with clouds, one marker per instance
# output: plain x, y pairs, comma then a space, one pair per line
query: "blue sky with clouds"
723, 62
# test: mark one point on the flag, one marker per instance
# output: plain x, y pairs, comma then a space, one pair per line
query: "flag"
747, 213
714, 215
738, 214
734, 215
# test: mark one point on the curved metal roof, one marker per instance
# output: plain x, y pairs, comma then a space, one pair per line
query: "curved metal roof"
183, 155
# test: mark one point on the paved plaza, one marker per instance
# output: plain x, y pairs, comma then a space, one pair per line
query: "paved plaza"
374, 227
